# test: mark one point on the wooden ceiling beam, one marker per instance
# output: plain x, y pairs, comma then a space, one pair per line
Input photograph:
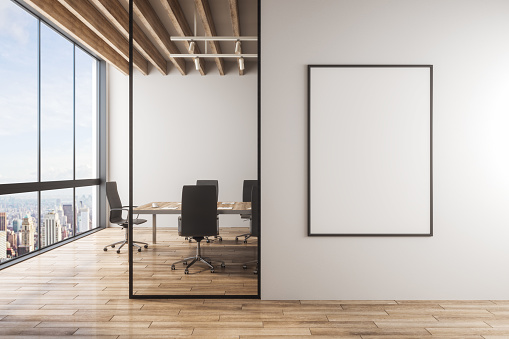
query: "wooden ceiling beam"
90, 16
146, 13
119, 17
180, 23
61, 17
203, 9
234, 12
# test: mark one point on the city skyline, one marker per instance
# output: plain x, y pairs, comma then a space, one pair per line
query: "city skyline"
20, 229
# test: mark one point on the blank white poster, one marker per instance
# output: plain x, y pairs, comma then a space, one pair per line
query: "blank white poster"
370, 150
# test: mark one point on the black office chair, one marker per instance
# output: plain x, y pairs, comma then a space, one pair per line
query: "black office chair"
198, 220
246, 197
216, 184
210, 182
116, 209
254, 228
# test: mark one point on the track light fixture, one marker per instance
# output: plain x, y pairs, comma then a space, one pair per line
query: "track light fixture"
191, 47
197, 63
237, 47
241, 63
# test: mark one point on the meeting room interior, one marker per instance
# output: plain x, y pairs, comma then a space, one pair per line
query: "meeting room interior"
254, 168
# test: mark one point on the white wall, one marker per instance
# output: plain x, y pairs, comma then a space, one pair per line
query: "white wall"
186, 128
467, 42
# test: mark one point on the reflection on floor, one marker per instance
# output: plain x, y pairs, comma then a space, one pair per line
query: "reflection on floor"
78, 290
152, 266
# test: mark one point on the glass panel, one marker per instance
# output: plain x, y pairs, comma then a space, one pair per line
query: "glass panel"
86, 115
56, 216
56, 106
86, 211
18, 94
18, 225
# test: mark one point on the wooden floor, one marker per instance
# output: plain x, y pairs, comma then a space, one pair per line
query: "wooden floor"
80, 291
152, 267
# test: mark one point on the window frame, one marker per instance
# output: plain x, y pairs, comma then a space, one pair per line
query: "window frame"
100, 148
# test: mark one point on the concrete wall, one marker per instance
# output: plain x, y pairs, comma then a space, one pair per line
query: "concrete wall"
467, 42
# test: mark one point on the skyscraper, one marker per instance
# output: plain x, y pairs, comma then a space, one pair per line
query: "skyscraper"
13, 239
63, 220
83, 224
69, 214
27, 243
16, 225
3, 221
51, 229
3, 236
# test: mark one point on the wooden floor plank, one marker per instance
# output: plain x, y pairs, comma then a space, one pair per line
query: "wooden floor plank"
60, 294
51, 336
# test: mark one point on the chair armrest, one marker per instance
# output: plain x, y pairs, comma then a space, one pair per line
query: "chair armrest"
128, 206
119, 209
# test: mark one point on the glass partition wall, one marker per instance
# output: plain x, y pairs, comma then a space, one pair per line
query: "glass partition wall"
184, 128
49, 173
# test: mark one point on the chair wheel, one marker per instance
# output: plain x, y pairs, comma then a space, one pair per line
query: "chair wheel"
189, 240
186, 272
173, 267
211, 271
118, 251
245, 241
244, 267
236, 238
105, 249
220, 239
139, 249
112, 246
223, 265
146, 246
255, 272
184, 262
208, 241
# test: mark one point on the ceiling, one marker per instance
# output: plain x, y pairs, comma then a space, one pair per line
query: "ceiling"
102, 26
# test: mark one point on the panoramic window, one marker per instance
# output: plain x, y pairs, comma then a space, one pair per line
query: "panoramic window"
48, 135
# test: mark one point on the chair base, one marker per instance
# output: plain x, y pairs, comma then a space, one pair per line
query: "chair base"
244, 265
246, 236
125, 241
197, 258
216, 237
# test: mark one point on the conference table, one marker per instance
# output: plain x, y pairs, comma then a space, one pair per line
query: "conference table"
175, 208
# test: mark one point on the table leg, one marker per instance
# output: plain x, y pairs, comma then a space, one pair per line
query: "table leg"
154, 235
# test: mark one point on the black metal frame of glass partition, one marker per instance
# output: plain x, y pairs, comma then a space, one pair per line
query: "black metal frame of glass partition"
130, 228
41, 186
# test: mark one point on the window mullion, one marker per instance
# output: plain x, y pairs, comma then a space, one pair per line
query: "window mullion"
74, 135
38, 131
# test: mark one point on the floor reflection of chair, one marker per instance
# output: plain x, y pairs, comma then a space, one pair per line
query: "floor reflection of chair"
199, 219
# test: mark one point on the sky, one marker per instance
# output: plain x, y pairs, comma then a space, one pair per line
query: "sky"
18, 101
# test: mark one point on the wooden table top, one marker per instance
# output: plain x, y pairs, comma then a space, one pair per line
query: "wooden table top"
223, 207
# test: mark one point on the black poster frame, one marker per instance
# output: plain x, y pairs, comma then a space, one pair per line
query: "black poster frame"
309, 231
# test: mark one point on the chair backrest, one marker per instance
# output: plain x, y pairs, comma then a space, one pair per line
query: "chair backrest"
246, 189
199, 211
210, 182
114, 201
255, 210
